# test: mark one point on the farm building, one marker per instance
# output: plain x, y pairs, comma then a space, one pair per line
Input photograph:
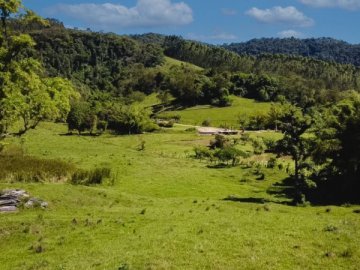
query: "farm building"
216, 131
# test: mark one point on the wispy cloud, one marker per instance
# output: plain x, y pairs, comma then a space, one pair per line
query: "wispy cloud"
285, 15
345, 4
146, 13
229, 11
290, 33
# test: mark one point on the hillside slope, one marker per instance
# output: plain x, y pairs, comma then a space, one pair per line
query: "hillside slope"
326, 49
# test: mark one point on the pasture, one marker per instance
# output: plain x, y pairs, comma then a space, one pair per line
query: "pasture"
165, 210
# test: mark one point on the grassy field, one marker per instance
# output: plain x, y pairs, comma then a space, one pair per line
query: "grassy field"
169, 62
167, 211
222, 116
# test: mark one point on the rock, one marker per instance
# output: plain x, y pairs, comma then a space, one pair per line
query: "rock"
8, 202
44, 205
11, 199
7, 209
17, 193
35, 202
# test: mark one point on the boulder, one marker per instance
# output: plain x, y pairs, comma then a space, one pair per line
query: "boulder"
7, 209
10, 200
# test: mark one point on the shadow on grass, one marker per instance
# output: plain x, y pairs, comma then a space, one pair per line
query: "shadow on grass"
81, 135
219, 166
256, 200
282, 192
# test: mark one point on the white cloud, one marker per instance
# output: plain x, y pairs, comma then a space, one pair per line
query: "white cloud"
146, 13
290, 33
285, 15
229, 11
218, 36
345, 4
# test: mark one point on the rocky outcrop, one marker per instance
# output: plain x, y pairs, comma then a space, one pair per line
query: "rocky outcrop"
12, 199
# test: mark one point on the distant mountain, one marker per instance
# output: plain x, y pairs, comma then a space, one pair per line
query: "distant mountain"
327, 49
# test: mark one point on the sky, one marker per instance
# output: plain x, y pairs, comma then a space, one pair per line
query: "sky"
211, 21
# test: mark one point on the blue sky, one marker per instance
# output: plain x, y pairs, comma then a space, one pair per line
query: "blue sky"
213, 21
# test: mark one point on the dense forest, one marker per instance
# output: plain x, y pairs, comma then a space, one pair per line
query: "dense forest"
120, 65
327, 49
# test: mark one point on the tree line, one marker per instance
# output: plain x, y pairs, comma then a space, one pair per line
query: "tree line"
326, 49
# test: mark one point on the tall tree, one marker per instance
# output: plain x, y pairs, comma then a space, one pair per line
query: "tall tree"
294, 124
25, 93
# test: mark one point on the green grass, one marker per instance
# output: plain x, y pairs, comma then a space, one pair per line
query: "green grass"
166, 211
222, 116
169, 62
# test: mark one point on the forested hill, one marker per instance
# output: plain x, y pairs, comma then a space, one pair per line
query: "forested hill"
121, 65
95, 60
326, 49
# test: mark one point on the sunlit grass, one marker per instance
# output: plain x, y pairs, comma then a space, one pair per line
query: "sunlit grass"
165, 210
227, 116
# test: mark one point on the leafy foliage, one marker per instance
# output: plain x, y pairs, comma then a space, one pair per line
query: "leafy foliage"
25, 93
326, 49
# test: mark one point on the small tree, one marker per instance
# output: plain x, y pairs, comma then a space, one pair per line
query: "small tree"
229, 153
294, 125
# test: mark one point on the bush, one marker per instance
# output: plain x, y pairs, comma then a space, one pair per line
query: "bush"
17, 167
206, 123
20, 168
166, 124
272, 162
150, 127
270, 144
175, 117
202, 152
90, 177
258, 145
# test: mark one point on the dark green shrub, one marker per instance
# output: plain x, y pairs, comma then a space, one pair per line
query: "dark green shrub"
258, 145
272, 162
90, 177
270, 144
175, 117
202, 152
166, 124
22, 168
206, 123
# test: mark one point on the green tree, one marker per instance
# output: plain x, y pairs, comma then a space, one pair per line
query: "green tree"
130, 119
294, 124
25, 93
337, 152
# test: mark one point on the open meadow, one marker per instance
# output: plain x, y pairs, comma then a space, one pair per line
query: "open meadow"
162, 209
228, 116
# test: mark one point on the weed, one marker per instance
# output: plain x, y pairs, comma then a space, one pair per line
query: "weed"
90, 177
331, 228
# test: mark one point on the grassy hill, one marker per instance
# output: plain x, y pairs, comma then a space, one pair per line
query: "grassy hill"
167, 211
169, 62
221, 116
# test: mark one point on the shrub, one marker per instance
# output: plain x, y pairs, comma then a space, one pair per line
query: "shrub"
202, 152
20, 168
272, 162
258, 145
90, 177
220, 141
166, 124
270, 144
175, 117
206, 123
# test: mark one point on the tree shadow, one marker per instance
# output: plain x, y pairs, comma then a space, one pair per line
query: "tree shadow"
256, 200
80, 135
219, 166
283, 192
